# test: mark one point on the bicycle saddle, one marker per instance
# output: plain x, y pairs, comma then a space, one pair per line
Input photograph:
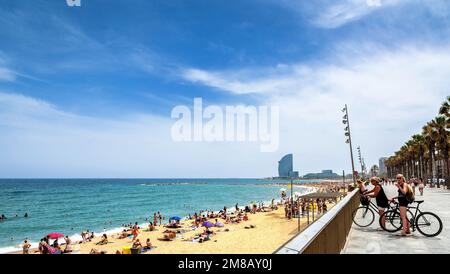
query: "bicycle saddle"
419, 202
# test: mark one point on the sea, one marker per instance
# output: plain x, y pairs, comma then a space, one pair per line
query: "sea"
70, 206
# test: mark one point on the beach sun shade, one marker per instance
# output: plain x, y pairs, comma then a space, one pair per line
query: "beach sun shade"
208, 224
219, 224
175, 218
55, 235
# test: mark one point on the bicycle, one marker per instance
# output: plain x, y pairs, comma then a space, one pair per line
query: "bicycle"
364, 215
427, 223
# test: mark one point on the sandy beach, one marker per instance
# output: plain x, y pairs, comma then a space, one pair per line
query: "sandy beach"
271, 231
263, 233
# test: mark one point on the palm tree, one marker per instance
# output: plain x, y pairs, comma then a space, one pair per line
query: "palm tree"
445, 108
419, 149
421, 155
429, 142
442, 142
444, 111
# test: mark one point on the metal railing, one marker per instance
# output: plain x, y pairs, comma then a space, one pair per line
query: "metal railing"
328, 234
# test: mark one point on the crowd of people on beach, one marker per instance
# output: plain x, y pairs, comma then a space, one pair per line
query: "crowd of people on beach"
173, 228
46, 248
301, 207
295, 207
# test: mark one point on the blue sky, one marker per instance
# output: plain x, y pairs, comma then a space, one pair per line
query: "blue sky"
87, 91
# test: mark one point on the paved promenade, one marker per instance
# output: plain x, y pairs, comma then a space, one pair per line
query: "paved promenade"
372, 240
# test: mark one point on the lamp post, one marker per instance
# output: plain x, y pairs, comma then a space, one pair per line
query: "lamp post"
361, 161
346, 121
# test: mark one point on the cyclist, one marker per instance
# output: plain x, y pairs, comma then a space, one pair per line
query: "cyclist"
380, 196
403, 190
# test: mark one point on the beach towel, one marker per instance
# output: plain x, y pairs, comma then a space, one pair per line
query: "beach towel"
144, 250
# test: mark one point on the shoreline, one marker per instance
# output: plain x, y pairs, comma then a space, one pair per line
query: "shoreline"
114, 231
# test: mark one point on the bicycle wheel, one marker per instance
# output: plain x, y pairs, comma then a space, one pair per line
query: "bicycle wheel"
363, 216
393, 221
429, 224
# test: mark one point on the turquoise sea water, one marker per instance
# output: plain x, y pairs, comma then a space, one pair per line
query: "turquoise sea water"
70, 206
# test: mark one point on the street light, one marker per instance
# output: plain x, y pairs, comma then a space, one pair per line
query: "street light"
361, 161
346, 121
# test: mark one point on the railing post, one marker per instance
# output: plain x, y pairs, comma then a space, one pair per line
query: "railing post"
307, 212
313, 211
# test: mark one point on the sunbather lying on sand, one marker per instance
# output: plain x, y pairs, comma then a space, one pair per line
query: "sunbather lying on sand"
166, 238
103, 241
124, 234
95, 251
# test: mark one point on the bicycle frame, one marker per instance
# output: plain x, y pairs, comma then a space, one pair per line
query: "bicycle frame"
416, 210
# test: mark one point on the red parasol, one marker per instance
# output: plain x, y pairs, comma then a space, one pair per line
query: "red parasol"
55, 235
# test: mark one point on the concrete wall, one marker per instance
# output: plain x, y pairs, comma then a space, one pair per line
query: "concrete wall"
328, 234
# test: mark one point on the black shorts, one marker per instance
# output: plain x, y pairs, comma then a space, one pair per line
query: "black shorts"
382, 205
402, 201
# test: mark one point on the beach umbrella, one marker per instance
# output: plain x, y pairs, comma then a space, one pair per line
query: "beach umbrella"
208, 224
219, 224
55, 235
175, 218
283, 190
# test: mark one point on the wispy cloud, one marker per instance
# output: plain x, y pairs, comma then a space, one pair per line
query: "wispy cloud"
249, 80
331, 14
38, 139
391, 92
7, 75
341, 12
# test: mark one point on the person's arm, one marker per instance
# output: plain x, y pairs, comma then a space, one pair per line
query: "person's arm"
374, 192
369, 191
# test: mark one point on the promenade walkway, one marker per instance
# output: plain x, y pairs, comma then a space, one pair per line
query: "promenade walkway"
372, 240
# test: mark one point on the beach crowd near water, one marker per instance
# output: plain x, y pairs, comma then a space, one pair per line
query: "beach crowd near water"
229, 226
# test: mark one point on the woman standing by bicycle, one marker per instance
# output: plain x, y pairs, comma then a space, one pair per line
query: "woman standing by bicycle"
403, 191
380, 196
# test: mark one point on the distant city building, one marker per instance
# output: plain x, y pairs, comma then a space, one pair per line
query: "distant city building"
286, 167
382, 165
293, 174
325, 174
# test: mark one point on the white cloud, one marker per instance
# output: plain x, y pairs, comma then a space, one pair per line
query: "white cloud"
7, 75
390, 93
37, 139
257, 80
332, 14
337, 13
342, 12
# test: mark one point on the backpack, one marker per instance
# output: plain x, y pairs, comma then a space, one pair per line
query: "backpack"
410, 197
